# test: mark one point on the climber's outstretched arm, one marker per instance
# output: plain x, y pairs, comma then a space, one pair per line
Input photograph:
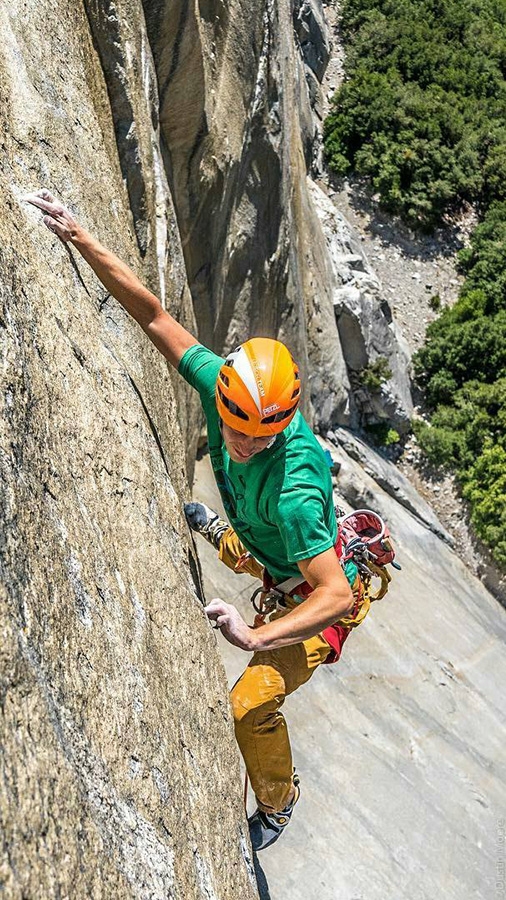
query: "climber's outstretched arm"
167, 335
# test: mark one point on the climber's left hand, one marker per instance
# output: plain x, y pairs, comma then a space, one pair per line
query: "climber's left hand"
231, 623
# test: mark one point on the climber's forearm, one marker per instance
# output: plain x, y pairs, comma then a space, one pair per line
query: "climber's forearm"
321, 609
330, 600
167, 335
171, 338
117, 277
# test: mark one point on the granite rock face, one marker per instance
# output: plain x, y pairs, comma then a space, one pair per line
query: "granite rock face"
313, 37
119, 770
119, 34
236, 119
181, 135
367, 329
240, 115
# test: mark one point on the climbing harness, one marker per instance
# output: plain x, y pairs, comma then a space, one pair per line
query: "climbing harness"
364, 549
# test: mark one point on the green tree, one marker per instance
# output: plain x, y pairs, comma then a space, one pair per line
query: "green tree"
422, 114
485, 488
421, 109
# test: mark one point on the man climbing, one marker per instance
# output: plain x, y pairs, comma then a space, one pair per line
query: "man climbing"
276, 489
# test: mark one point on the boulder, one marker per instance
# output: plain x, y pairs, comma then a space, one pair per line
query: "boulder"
367, 329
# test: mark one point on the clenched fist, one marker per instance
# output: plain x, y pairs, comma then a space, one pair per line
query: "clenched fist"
231, 623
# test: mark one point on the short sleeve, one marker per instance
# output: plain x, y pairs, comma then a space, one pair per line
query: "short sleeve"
199, 367
304, 523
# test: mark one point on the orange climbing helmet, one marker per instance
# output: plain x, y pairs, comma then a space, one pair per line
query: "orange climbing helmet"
258, 388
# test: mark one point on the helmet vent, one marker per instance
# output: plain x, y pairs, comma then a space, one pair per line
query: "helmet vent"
279, 416
232, 407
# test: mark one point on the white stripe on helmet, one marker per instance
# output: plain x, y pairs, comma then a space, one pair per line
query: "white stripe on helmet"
243, 368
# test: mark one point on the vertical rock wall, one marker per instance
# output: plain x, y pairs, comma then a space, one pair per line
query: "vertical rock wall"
235, 116
183, 142
241, 118
119, 771
119, 36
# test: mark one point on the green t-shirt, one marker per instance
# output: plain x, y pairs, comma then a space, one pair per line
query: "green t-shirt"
279, 502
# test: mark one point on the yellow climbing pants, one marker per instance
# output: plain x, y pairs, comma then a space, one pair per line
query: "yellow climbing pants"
260, 692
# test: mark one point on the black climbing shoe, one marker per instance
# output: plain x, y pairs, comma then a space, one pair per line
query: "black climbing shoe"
206, 522
266, 828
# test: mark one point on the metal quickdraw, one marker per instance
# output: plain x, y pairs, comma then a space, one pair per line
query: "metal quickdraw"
269, 600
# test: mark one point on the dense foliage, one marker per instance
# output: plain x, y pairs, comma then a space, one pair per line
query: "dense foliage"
463, 369
422, 113
422, 110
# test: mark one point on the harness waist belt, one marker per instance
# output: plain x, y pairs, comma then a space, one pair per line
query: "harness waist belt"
286, 587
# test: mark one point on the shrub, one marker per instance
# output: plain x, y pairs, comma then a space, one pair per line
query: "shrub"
485, 488
421, 114
484, 262
468, 434
421, 108
375, 374
440, 445
383, 435
460, 351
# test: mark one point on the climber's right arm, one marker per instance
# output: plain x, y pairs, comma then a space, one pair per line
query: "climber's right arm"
166, 333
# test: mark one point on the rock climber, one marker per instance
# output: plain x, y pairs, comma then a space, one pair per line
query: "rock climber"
276, 489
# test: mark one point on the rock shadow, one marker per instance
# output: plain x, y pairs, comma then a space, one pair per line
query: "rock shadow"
263, 887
